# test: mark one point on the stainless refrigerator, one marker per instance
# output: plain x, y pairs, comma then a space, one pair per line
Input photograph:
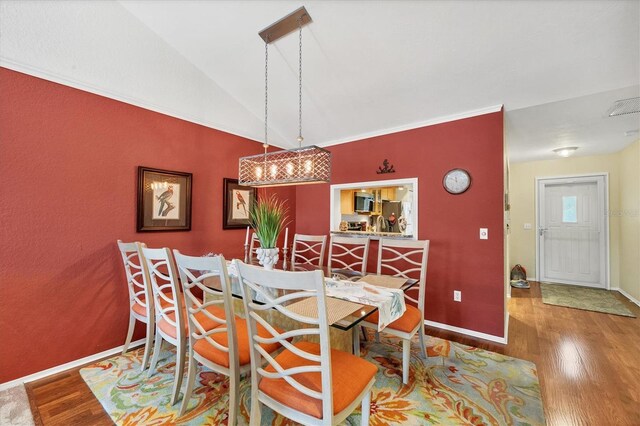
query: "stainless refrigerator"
389, 207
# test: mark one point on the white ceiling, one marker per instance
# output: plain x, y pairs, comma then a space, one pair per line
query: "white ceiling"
370, 67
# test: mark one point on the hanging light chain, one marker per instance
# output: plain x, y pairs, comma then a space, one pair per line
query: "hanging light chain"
300, 138
266, 93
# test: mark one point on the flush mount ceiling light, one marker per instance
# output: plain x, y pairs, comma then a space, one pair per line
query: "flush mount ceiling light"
625, 106
565, 151
303, 165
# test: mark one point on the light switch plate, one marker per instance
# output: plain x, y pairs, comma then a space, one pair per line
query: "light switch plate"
527, 226
484, 233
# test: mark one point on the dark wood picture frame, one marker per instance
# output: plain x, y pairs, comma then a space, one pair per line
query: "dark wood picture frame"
231, 206
164, 200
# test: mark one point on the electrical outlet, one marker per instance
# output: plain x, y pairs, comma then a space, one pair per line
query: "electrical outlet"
457, 296
484, 233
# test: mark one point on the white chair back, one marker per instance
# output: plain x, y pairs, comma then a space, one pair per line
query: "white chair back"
308, 249
348, 253
278, 288
253, 246
407, 259
137, 274
166, 293
216, 292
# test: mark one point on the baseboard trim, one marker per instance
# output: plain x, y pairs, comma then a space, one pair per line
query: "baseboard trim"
627, 295
506, 327
467, 332
72, 364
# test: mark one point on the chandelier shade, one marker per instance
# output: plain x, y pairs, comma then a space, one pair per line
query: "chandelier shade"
299, 166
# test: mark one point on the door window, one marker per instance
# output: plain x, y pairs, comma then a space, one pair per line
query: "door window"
570, 209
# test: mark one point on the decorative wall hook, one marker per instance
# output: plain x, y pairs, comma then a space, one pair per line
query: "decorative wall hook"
386, 168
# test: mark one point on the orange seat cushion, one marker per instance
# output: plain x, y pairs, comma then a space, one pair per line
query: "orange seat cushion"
206, 322
213, 354
350, 375
406, 323
139, 309
142, 310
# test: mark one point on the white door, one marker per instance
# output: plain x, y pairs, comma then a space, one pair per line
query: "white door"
572, 231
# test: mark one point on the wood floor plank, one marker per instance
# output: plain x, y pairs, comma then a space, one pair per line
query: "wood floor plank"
588, 366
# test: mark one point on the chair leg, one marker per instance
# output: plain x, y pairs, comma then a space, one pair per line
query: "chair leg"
422, 343
406, 355
356, 342
132, 326
234, 397
177, 381
156, 353
366, 409
147, 344
191, 375
255, 417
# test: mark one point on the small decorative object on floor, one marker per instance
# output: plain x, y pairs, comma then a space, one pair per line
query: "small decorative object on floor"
519, 277
386, 168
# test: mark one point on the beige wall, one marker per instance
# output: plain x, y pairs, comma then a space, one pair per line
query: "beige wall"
522, 197
630, 220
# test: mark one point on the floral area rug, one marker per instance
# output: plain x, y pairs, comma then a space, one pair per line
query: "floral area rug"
454, 385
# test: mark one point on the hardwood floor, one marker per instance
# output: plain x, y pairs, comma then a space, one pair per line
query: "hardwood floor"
588, 364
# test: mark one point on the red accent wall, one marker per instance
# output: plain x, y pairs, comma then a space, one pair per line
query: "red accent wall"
458, 259
68, 173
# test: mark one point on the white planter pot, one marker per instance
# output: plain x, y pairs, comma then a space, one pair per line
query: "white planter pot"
267, 257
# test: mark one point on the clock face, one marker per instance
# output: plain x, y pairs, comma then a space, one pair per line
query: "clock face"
456, 181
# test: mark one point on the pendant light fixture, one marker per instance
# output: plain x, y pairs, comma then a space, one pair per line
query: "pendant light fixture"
299, 166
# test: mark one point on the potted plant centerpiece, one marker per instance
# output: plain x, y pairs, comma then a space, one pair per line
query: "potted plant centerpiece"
267, 217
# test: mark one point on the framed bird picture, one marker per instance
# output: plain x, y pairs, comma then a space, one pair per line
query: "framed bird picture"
164, 200
236, 204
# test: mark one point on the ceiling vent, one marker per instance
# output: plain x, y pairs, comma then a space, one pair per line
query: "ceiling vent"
625, 106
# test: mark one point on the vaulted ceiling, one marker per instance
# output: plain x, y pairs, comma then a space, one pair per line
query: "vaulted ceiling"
369, 67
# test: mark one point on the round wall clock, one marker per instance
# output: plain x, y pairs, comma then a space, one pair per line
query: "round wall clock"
456, 181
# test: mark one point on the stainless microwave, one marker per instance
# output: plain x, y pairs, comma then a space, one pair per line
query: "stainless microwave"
362, 202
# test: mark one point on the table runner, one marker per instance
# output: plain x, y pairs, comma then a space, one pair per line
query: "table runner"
390, 302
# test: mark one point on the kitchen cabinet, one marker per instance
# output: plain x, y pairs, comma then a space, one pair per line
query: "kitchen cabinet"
346, 202
388, 194
377, 202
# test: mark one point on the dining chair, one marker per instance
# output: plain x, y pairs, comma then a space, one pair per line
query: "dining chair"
211, 320
140, 295
406, 259
307, 382
348, 253
308, 250
254, 245
169, 308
